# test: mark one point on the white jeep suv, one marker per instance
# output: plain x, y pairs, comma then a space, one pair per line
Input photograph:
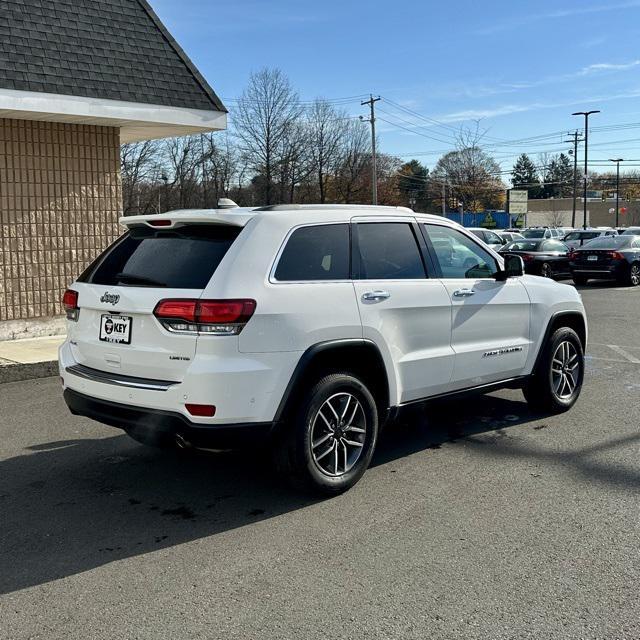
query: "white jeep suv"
307, 328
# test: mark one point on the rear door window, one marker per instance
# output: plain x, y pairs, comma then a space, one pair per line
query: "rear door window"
389, 251
182, 258
319, 252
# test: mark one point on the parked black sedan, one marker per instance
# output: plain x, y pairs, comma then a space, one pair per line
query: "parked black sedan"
541, 257
608, 257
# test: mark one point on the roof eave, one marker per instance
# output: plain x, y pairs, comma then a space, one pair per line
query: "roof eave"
136, 121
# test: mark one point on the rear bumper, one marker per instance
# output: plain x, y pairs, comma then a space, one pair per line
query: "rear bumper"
155, 423
604, 271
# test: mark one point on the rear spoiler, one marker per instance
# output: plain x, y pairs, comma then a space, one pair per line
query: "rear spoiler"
174, 219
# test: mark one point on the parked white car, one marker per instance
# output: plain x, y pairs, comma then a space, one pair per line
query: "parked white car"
580, 237
307, 328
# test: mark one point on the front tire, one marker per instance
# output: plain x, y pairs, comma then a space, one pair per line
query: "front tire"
556, 384
328, 445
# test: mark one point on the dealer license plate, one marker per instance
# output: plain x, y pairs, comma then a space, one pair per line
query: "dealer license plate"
115, 328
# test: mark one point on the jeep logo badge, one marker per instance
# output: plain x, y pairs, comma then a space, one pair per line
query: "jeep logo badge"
110, 297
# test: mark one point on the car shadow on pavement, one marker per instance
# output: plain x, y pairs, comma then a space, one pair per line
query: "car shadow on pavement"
74, 505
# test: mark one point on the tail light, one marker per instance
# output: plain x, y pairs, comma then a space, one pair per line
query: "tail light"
572, 254
70, 304
213, 317
526, 257
615, 255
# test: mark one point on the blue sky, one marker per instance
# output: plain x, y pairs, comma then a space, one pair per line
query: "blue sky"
521, 68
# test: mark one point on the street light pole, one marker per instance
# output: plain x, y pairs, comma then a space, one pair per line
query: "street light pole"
617, 161
574, 152
586, 115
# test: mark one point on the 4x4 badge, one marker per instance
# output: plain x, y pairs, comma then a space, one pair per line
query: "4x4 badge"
110, 297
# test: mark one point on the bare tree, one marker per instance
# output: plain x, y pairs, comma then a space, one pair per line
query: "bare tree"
184, 159
353, 164
471, 175
138, 165
327, 129
264, 118
220, 166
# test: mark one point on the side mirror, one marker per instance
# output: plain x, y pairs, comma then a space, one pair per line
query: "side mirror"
513, 268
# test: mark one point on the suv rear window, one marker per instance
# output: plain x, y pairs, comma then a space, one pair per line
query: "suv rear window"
182, 258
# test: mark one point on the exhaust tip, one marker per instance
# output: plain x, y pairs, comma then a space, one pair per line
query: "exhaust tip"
182, 442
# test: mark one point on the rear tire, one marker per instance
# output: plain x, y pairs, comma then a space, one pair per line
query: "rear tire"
579, 280
328, 444
633, 277
545, 270
557, 381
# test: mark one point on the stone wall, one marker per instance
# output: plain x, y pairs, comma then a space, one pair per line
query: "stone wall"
59, 206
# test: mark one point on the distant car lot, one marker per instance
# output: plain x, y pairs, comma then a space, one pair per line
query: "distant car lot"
475, 521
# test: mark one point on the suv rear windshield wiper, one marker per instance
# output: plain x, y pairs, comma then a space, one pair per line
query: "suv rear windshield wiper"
132, 278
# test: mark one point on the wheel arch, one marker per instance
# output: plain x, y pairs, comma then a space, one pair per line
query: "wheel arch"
572, 319
358, 356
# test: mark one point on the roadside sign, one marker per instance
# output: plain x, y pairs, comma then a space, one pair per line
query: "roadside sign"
518, 201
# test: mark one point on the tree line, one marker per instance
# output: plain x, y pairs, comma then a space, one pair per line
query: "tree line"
279, 149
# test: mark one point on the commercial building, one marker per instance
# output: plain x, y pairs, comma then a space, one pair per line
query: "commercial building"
77, 79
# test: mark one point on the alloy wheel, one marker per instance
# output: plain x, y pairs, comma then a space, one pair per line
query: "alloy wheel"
545, 270
565, 370
338, 433
634, 275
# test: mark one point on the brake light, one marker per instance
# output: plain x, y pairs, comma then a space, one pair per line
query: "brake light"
159, 223
70, 304
214, 317
572, 254
526, 257
615, 255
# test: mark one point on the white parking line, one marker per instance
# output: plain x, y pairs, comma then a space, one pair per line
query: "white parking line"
624, 353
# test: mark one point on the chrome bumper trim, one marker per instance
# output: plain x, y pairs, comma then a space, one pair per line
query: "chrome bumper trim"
117, 379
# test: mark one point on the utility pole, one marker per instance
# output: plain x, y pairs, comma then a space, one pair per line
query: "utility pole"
617, 161
444, 198
576, 139
374, 171
586, 115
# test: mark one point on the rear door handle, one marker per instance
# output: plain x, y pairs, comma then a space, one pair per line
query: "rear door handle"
372, 296
463, 293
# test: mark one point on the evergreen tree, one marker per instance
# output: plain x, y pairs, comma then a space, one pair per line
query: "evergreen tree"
525, 176
412, 184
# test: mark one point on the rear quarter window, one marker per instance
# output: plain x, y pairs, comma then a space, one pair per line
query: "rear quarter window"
182, 258
319, 252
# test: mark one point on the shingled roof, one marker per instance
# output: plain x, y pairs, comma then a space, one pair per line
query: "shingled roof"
107, 49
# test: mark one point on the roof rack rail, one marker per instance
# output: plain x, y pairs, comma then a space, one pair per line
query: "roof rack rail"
329, 207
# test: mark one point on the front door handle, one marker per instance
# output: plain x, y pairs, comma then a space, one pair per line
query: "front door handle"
372, 296
463, 293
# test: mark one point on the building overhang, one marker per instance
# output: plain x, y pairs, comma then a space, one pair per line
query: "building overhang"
136, 121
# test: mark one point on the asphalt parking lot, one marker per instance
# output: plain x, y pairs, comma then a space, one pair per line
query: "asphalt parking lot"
476, 520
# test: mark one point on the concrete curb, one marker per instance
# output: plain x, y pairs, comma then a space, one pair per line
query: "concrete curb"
15, 372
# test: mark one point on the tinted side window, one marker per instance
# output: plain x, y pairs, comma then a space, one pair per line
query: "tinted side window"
389, 251
458, 255
492, 238
319, 252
